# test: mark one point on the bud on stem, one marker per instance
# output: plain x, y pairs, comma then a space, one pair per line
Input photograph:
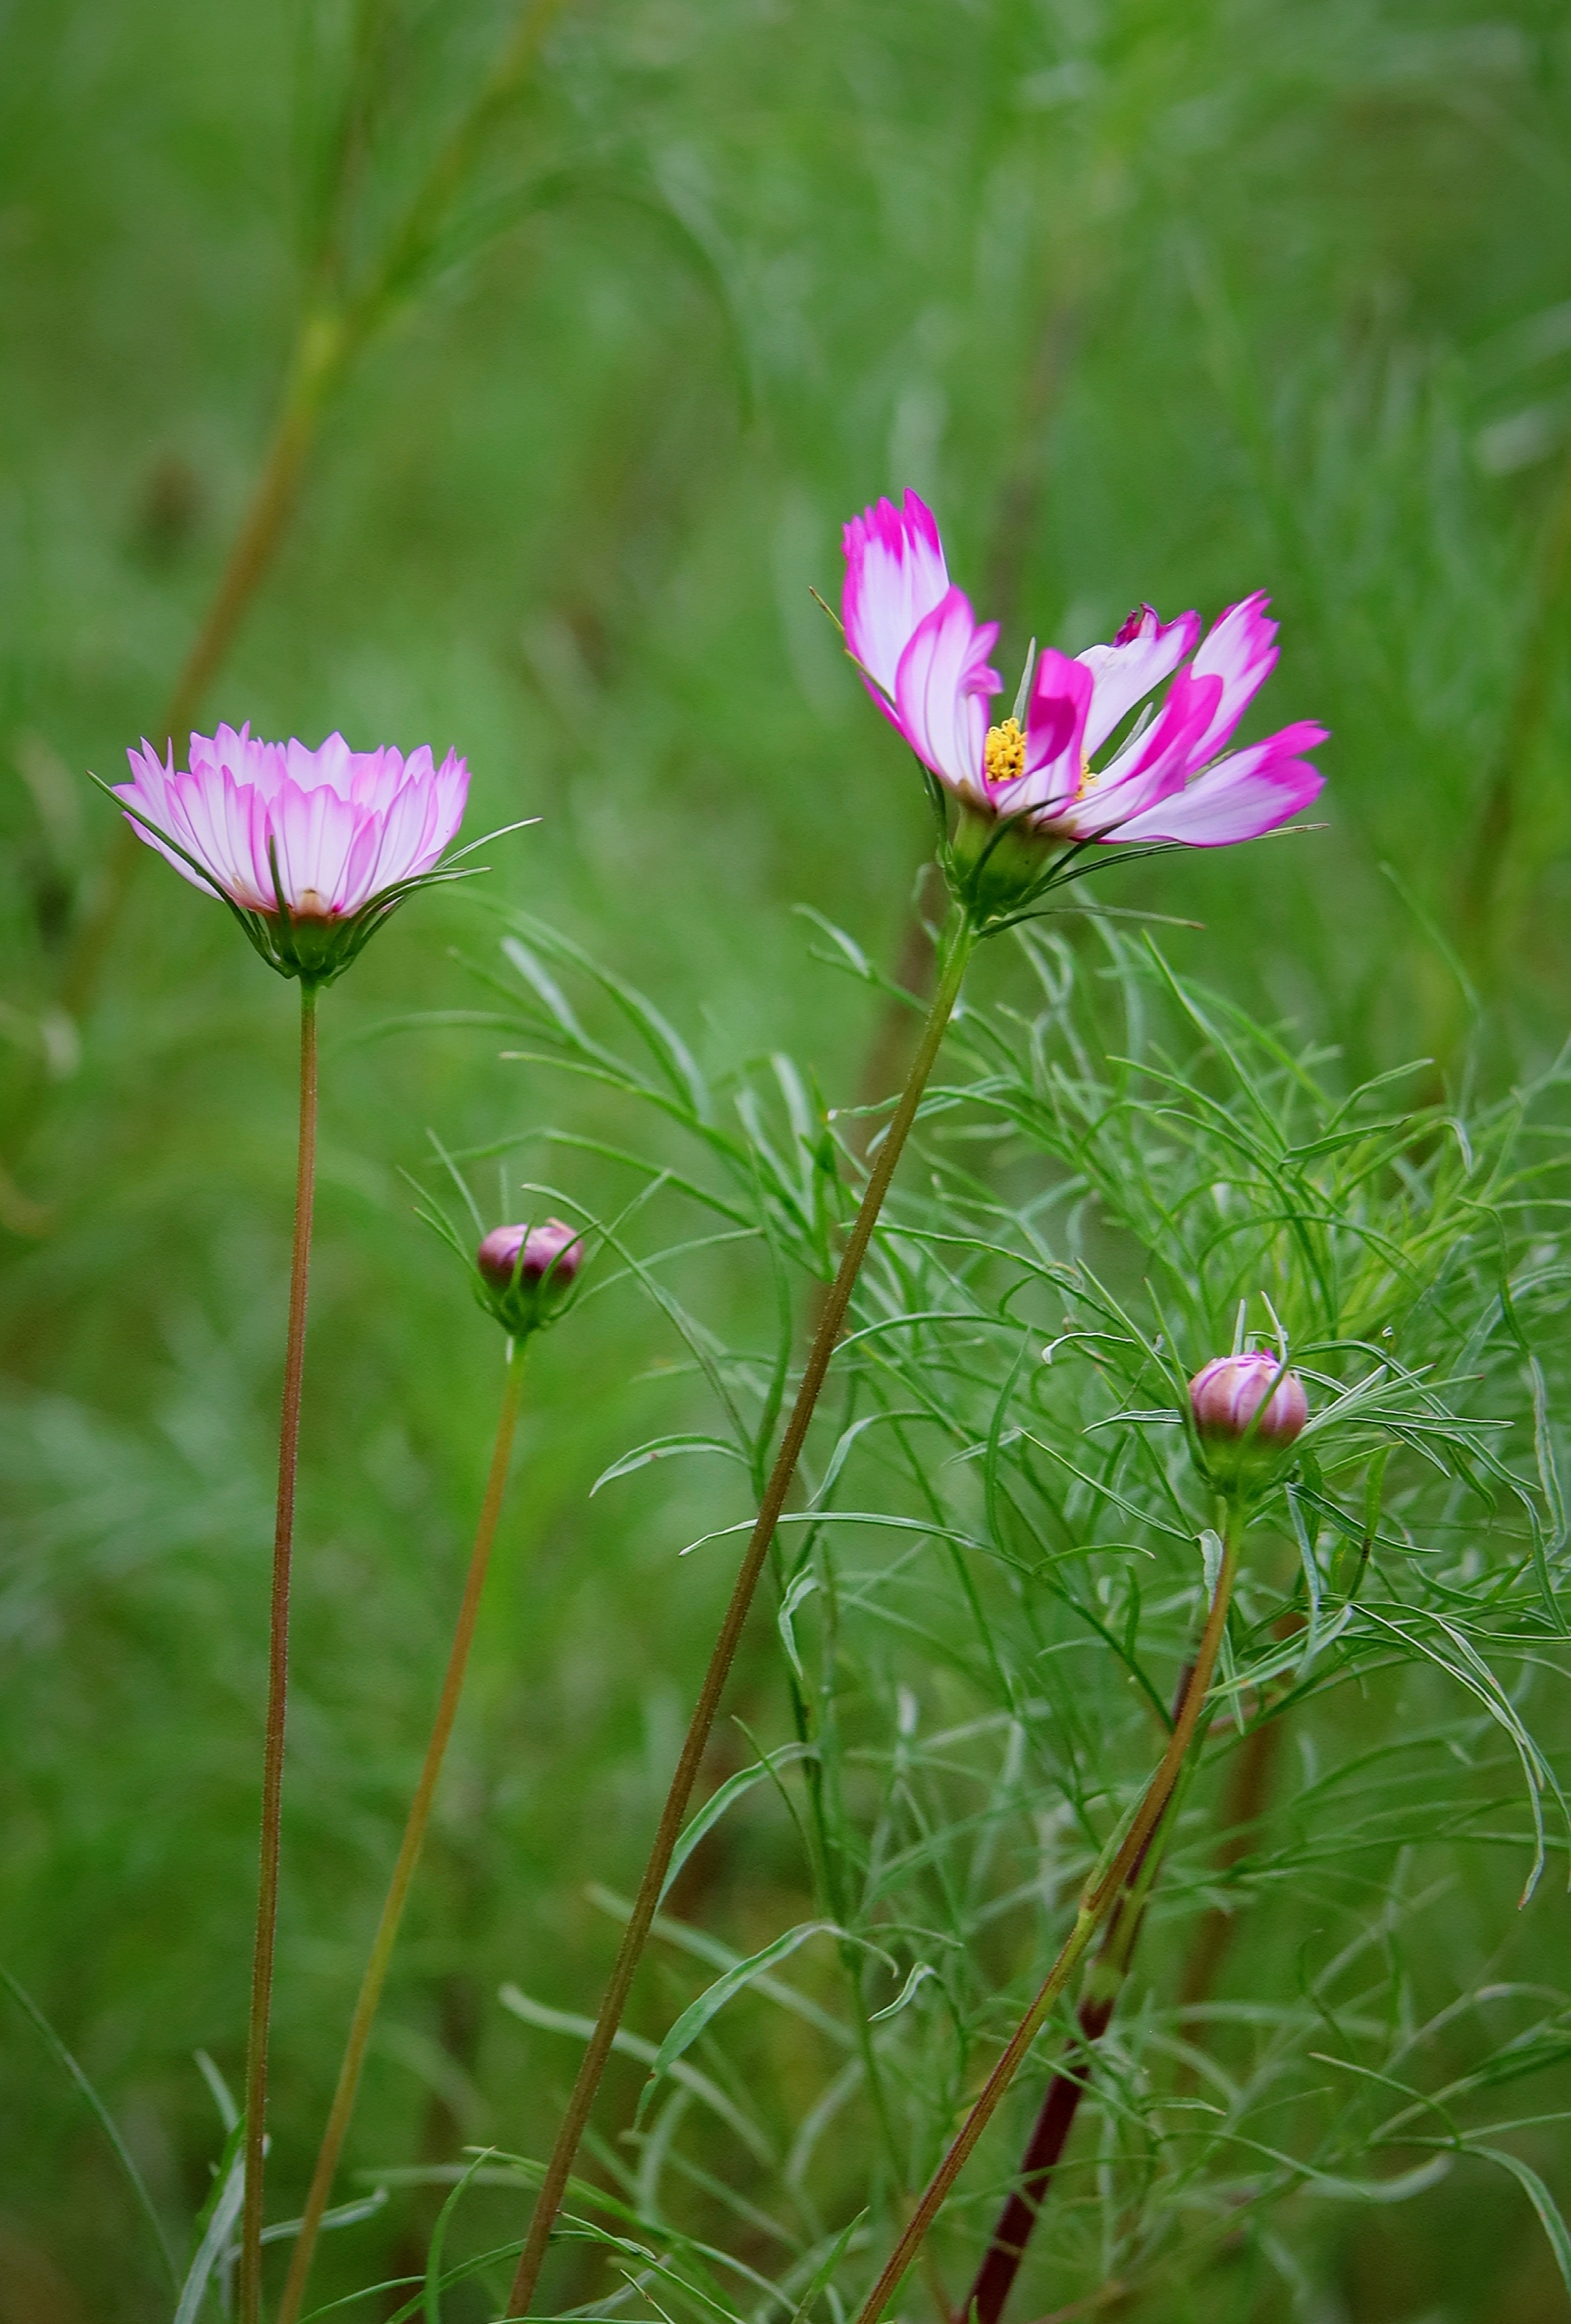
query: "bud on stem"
1248, 1409
526, 1273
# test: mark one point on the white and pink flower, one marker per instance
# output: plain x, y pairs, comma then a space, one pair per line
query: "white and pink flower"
311, 848
1168, 778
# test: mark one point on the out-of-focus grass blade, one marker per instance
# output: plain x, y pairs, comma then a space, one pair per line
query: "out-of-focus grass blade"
57, 2048
223, 2208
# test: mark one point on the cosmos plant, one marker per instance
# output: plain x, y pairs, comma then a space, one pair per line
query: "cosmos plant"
1020, 810
311, 851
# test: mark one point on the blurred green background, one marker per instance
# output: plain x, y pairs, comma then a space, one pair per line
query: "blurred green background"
1153, 299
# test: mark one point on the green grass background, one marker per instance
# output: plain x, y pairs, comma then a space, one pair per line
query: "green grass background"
1151, 300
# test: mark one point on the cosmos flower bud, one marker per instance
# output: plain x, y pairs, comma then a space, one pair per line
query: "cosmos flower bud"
526, 1272
1246, 1424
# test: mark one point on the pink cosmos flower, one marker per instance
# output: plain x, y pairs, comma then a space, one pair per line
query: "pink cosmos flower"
311, 849
1168, 778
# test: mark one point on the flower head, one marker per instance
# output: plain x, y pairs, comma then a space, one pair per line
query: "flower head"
312, 849
526, 1272
1028, 784
1248, 1409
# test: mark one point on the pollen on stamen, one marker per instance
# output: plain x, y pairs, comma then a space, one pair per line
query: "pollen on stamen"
1003, 755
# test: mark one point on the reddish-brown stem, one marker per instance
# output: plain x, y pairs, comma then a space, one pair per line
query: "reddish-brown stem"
560, 2166
250, 2280
1049, 2136
403, 1871
1051, 2133
1247, 1792
1097, 1900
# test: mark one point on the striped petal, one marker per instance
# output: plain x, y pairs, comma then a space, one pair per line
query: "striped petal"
1242, 796
895, 576
942, 690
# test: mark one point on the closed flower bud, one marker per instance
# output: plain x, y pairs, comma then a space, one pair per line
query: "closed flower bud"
1246, 1422
526, 1272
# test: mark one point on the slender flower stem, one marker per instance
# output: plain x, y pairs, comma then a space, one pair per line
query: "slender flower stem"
250, 2285
1049, 2135
1100, 1892
833, 1315
414, 1832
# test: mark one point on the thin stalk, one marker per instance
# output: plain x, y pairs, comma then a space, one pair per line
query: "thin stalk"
414, 1832
1099, 1994
250, 2285
563, 2154
1100, 1895
1525, 718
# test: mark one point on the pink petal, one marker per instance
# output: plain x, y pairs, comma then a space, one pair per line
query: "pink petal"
1241, 797
1062, 693
942, 688
895, 576
345, 824
401, 838
1154, 763
210, 815
331, 766
1144, 652
250, 763
314, 831
1242, 653
452, 795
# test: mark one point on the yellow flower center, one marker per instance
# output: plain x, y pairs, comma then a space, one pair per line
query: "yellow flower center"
1003, 754
1003, 758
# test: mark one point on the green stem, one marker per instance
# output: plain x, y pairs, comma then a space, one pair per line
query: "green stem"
559, 2167
414, 1832
1525, 718
250, 2284
1097, 1900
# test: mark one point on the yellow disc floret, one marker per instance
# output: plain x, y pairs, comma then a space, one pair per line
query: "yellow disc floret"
1003, 755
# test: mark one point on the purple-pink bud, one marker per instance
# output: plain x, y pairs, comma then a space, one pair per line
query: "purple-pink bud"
1229, 1391
554, 1250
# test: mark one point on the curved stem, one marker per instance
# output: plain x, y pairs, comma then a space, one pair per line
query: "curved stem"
560, 2166
414, 1832
1100, 1894
250, 2285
